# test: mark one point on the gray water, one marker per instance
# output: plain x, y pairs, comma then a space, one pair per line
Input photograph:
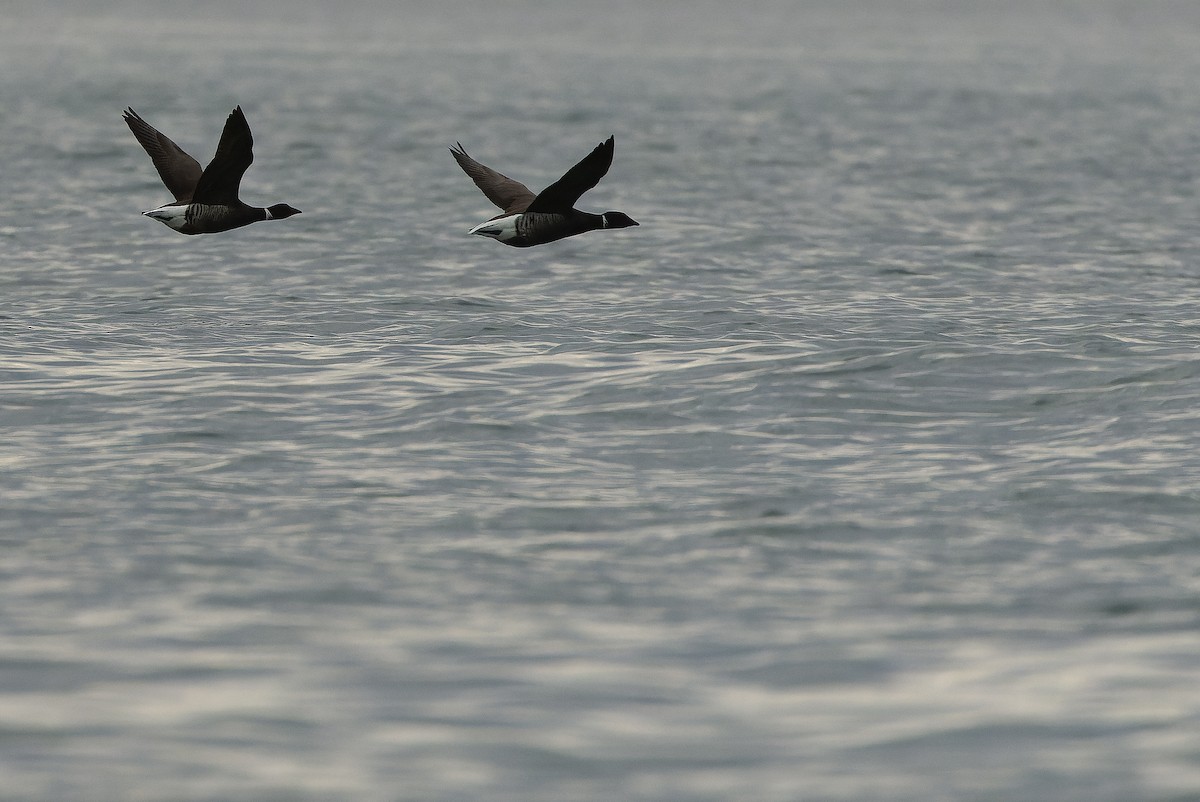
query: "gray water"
867, 468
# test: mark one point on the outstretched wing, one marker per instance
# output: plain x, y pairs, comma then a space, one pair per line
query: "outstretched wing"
223, 176
179, 171
511, 196
563, 193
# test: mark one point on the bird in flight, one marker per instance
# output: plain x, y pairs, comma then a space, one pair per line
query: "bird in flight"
550, 215
206, 201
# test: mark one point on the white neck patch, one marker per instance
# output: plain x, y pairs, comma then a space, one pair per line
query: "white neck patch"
268, 217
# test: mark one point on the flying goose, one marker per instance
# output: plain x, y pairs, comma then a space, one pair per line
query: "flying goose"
206, 201
550, 215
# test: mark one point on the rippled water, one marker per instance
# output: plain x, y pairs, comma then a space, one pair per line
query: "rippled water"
866, 468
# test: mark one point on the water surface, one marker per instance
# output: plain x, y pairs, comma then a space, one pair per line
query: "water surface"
866, 468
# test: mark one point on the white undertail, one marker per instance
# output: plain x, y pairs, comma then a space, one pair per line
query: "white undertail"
174, 215
502, 228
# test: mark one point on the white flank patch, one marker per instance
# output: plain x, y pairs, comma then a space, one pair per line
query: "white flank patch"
173, 215
502, 228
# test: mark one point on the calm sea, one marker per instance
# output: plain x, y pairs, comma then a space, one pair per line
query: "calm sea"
867, 468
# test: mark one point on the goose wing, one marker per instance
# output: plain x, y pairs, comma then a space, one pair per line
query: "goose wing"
178, 171
235, 153
563, 193
511, 196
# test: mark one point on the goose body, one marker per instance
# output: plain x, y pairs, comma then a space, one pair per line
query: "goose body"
530, 219
206, 201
